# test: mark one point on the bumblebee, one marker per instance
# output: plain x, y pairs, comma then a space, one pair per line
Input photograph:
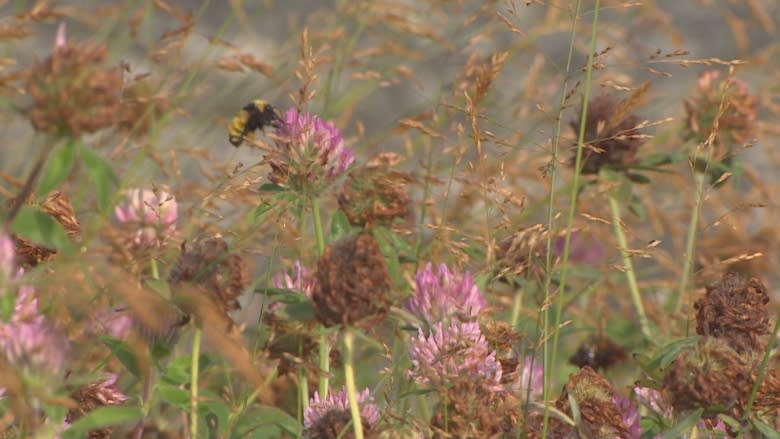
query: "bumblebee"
255, 115
598, 353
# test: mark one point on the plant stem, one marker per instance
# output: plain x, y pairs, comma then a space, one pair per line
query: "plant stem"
762, 369
551, 357
194, 382
324, 349
628, 266
675, 302
303, 385
349, 378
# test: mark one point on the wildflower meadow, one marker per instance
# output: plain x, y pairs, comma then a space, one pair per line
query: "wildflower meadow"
389, 219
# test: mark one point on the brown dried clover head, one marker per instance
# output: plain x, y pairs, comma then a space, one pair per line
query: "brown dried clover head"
724, 107
735, 310
611, 135
73, 91
375, 194
352, 283
209, 263
58, 206
473, 409
601, 417
710, 375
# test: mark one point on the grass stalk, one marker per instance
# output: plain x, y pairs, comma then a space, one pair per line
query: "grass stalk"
194, 382
324, 349
628, 266
551, 355
349, 379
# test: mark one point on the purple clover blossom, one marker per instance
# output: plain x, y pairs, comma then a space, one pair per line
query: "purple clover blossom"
583, 249
369, 412
29, 340
629, 415
301, 279
453, 352
152, 214
314, 148
106, 392
440, 294
530, 375
115, 322
653, 400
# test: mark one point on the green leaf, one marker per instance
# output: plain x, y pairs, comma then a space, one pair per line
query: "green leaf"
765, 429
160, 287
638, 178
684, 425
656, 159
382, 236
40, 228
179, 370
261, 209
282, 295
100, 418
270, 187
174, 395
339, 226
406, 252
266, 421
636, 207
57, 169
123, 353
668, 353
101, 175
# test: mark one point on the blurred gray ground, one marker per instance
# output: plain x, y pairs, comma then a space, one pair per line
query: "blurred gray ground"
274, 25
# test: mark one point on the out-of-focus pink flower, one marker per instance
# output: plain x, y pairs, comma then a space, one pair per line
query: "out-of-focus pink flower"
369, 412
62, 38
455, 352
106, 392
583, 249
152, 215
313, 152
301, 279
530, 376
7, 254
29, 341
116, 323
440, 294
629, 416
653, 400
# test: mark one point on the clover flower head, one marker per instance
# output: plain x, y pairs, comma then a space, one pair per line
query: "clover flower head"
530, 375
115, 322
28, 340
440, 294
301, 279
318, 408
313, 152
630, 416
653, 400
152, 213
454, 352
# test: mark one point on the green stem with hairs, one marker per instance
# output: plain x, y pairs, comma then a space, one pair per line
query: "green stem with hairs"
551, 357
194, 382
675, 301
324, 349
303, 385
628, 266
349, 379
